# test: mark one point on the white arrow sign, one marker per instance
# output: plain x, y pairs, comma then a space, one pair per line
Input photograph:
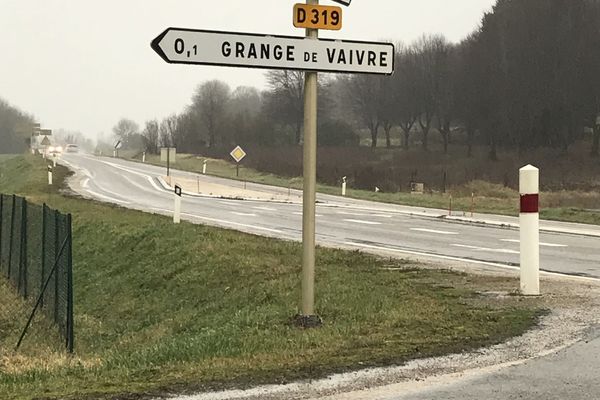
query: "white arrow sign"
188, 46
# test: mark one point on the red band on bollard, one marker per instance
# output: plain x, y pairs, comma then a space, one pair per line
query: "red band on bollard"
530, 203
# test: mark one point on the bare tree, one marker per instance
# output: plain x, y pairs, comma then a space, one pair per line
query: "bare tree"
406, 91
127, 131
364, 93
287, 92
150, 136
210, 102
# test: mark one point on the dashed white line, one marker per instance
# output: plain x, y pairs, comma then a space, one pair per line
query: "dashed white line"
243, 214
359, 221
433, 231
477, 248
541, 243
111, 199
300, 213
265, 208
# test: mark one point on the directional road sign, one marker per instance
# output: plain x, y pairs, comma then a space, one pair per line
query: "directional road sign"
317, 17
189, 46
238, 154
344, 2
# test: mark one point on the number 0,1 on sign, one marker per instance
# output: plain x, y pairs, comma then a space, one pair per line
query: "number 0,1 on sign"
317, 17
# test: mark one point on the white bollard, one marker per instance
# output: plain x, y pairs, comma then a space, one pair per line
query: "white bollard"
204, 167
54, 161
114, 154
529, 219
144, 157
177, 211
49, 175
344, 186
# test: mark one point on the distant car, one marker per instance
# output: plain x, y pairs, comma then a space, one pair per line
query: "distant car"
54, 151
72, 148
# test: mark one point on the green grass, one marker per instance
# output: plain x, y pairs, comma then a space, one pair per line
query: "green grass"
568, 206
161, 307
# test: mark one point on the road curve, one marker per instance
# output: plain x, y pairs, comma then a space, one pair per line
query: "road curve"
341, 222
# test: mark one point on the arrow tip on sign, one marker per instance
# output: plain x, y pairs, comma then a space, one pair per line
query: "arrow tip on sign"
155, 44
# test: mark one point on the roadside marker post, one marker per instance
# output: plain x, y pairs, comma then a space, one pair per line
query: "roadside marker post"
529, 221
344, 186
144, 157
204, 167
177, 208
49, 175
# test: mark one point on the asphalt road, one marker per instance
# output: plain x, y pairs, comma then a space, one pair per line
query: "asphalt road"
571, 373
340, 221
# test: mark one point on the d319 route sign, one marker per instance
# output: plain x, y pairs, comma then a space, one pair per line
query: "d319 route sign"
317, 17
189, 46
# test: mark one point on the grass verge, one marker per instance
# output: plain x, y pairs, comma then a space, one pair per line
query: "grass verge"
160, 308
568, 206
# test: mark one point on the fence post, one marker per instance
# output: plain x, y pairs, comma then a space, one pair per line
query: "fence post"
1, 228
56, 244
43, 254
70, 335
10, 237
23, 261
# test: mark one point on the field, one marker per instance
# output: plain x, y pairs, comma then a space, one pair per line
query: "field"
160, 307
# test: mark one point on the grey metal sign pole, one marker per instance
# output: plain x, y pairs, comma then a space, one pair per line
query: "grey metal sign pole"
310, 178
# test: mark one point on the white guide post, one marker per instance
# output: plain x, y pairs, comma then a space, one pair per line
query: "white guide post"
529, 219
49, 175
344, 186
144, 157
54, 160
204, 167
177, 209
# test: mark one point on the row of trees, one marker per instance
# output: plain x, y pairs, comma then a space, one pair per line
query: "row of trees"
12, 121
526, 78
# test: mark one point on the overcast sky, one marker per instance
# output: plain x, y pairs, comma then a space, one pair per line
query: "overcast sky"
83, 64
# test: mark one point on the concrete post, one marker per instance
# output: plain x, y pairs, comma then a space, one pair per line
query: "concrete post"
204, 167
310, 180
529, 219
344, 186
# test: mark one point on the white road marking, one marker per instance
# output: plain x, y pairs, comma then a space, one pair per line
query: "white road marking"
236, 203
265, 208
466, 260
477, 248
220, 221
363, 214
243, 214
434, 231
147, 177
359, 221
300, 213
541, 243
111, 199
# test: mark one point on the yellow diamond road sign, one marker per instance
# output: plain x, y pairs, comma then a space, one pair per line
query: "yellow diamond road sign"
238, 154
